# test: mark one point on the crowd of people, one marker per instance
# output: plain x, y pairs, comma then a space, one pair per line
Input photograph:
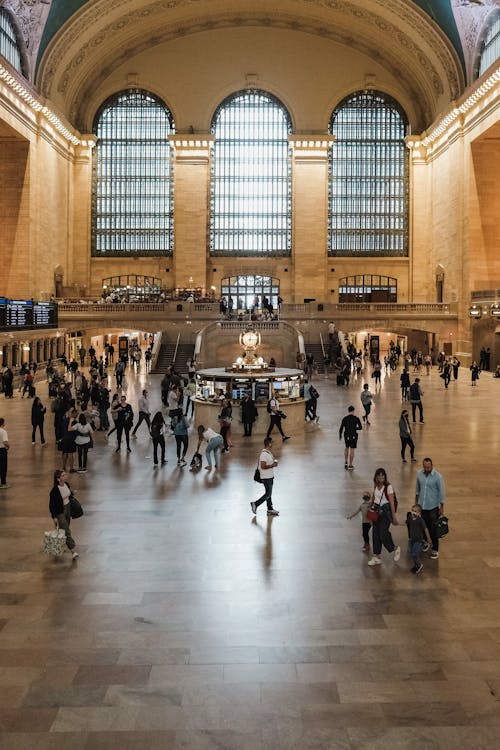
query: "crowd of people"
82, 404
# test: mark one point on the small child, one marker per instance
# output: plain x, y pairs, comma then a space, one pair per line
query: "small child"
366, 524
417, 536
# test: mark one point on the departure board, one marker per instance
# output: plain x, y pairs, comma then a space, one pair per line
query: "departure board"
44, 315
19, 315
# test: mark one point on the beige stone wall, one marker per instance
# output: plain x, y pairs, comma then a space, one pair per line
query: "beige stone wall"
14, 217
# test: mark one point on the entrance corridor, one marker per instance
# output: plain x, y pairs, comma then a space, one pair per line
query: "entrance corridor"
187, 624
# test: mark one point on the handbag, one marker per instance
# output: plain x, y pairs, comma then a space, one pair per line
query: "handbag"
373, 513
75, 507
257, 477
441, 526
281, 415
54, 542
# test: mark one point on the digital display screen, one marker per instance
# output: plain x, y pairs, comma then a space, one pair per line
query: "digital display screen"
277, 385
19, 314
44, 314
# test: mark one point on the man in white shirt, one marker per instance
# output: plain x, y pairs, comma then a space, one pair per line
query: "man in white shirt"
4, 447
267, 463
275, 414
144, 413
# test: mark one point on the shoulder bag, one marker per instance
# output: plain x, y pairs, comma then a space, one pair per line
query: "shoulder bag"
75, 507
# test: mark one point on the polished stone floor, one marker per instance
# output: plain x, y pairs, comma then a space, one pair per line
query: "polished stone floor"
186, 623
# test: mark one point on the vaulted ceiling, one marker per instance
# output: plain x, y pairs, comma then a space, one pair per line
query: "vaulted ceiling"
421, 43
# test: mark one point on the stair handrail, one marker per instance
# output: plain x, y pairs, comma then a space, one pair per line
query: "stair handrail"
156, 349
176, 347
322, 345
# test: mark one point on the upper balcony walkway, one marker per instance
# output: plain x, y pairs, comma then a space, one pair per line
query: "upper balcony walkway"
416, 314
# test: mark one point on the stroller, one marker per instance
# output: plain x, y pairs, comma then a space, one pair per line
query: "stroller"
196, 462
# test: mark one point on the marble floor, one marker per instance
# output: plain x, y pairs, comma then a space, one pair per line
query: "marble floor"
187, 623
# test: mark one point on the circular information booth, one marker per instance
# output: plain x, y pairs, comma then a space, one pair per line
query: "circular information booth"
213, 385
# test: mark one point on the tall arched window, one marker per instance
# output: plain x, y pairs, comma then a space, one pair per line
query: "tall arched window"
491, 45
368, 177
9, 46
250, 185
132, 197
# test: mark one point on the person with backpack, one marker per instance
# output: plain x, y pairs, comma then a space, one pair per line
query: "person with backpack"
349, 427
416, 394
382, 513
273, 409
311, 396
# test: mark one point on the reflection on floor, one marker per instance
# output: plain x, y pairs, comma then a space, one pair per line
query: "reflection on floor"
186, 623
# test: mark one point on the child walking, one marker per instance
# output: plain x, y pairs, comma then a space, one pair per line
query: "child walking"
417, 536
365, 523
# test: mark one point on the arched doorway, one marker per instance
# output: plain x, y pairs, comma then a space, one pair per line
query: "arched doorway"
249, 291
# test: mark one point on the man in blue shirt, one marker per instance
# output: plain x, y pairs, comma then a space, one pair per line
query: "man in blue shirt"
430, 495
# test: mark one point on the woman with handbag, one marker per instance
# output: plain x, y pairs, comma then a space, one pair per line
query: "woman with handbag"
382, 513
59, 508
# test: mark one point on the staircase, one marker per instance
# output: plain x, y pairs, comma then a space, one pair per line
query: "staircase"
317, 352
166, 357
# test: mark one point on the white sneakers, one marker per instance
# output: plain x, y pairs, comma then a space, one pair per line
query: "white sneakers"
375, 561
397, 554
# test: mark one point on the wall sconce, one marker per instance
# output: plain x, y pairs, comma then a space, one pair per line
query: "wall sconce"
475, 311
495, 309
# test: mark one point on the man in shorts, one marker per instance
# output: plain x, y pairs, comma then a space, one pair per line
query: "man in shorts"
349, 428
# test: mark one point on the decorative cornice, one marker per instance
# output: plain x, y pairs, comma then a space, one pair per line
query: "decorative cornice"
30, 98
456, 118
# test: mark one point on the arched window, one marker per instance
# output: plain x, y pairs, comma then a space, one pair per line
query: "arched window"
250, 185
368, 288
368, 177
491, 45
132, 197
9, 46
244, 293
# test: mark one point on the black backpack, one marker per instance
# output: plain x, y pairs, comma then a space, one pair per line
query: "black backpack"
269, 410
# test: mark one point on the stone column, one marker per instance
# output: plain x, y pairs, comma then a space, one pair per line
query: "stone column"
310, 210
79, 260
191, 206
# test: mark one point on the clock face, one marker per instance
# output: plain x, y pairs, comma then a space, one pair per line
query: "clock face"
250, 339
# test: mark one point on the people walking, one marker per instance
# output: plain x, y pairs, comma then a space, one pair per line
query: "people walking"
273, 407
225, 419
248, 413
383, 503
214, 444
124, 422
38, 411
365, 523
366, 400
83, 442
181, 438
349, 427
144, 413
474, 371
266, 463
455, 364
405, 433
4, 449
405, 385
158, 434
416, 394
59, 508
430, 495
446, 374
417, 535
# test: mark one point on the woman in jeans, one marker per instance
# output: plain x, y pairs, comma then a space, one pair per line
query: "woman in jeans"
157, 430
59, 508
383, 500
214, 444
83, 441
405, 435
181, 438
